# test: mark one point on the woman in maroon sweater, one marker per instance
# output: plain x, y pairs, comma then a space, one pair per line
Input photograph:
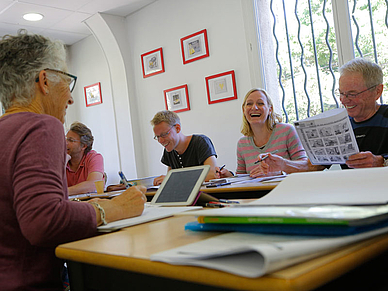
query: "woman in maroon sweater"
36, 215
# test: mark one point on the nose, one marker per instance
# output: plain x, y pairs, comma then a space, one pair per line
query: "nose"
71, 100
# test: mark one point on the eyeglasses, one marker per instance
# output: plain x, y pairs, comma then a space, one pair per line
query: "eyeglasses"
352, 95
73, 79
69, 139
163, 135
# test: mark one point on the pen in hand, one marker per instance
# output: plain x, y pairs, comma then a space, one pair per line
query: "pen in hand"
122, 176
219, 171
263, 158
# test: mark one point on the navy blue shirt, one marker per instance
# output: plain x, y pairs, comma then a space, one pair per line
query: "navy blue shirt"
198, 150
372, 134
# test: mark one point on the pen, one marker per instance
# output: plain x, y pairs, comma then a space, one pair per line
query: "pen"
228, 201
215, 205
258, 161
219, 171
122, 176
216, 184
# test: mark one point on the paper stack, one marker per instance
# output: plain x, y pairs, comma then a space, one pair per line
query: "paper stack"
322, 211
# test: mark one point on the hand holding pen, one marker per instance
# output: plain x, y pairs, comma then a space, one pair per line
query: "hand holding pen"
122, 176
219, 171
266, 156
274, 164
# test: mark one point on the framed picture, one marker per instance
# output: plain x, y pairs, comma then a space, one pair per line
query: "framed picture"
93, 94
177, 99
194, 47
152, 63
221, 87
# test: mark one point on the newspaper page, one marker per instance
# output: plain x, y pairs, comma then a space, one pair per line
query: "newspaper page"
327, 138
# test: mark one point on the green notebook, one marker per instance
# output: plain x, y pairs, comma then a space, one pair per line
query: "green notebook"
315, 215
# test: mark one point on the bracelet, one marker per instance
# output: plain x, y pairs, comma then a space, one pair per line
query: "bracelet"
102, 212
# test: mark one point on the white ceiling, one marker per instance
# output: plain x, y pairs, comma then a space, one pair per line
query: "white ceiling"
63, 19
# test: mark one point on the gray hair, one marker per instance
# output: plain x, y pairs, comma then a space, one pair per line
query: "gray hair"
371, 72
22, 57
167, 116
85, 135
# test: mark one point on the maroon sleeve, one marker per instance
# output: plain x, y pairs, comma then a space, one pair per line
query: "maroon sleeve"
45, 215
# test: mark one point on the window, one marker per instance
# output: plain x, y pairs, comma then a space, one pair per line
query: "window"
304, 42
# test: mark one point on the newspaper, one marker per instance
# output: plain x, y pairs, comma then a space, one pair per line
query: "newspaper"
327, 138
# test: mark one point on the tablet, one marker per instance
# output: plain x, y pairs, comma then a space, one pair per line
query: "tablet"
181, 186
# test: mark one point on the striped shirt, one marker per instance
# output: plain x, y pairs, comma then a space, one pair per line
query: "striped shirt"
283, 138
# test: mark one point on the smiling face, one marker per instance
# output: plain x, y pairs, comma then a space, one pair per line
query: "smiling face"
256, 108
167, 135
363, 106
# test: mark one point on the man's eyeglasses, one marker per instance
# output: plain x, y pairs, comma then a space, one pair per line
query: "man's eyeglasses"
73, 79
69, 139
352, 95
164, 134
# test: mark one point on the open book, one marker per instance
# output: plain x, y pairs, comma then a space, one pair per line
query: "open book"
327, 138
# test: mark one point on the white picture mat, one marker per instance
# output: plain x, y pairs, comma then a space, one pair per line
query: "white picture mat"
152, 63
93, 94
194, 47
172, 98
217, 92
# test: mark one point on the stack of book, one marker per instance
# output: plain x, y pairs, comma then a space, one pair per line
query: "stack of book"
323, 220
305, 216
317, 203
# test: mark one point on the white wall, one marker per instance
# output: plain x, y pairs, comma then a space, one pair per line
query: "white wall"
162, 24
88, 63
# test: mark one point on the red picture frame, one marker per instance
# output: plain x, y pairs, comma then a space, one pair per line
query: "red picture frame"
221, 87
152, 63
194, 47
93, 94
177, 99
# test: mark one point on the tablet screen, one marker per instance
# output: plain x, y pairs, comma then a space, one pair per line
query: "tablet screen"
181, 186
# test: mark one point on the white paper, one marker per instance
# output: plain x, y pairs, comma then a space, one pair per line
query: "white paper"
253, 255
150, 213
347, 187
327, 138
354, 215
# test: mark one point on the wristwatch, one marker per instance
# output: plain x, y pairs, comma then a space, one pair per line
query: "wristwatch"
385, 162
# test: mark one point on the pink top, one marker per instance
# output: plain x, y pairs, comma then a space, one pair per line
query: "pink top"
92, 162
284, 139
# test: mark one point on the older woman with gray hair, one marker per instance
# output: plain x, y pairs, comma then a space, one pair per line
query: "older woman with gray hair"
35, 90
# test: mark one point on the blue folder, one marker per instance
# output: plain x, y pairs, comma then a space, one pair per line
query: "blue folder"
287, 229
